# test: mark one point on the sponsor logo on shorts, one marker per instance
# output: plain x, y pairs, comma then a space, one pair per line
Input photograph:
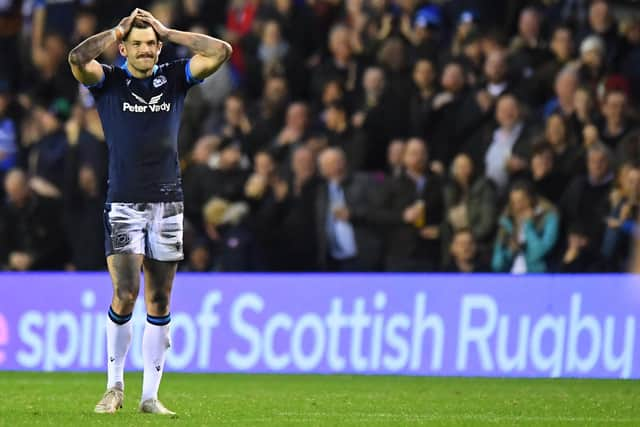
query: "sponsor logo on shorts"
120, 240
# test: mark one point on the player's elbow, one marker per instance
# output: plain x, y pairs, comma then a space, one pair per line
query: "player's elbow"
228, 51
74, 58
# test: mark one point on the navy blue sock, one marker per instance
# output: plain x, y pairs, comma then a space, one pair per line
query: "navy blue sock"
117, 318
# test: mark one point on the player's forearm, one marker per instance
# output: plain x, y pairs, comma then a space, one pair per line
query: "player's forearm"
201, 44
92, 47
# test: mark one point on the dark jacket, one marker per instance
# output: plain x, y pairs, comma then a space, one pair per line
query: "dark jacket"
357, 194
36, 229
588, 204
406, 249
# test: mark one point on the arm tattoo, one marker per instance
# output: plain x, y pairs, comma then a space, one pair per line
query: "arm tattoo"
92, 47
202, 44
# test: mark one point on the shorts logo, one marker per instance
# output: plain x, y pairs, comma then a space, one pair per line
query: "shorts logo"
159, 81
120, 240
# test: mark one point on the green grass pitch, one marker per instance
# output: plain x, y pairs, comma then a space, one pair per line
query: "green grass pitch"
64, 399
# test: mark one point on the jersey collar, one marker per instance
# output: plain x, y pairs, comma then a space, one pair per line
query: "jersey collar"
126, 70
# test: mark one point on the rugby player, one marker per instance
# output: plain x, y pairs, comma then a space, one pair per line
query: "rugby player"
140, 104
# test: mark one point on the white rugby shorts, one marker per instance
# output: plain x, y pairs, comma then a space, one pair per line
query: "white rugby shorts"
154, 230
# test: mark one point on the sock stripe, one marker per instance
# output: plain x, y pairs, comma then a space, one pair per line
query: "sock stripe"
117, 318
159, 320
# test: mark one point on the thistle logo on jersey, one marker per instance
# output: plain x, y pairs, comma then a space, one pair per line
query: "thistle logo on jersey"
159, 81
152, 106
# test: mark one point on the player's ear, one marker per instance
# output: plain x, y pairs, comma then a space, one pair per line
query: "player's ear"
159, 49
122, 49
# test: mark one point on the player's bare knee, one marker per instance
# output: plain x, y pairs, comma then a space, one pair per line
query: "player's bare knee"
160, 302
126, 295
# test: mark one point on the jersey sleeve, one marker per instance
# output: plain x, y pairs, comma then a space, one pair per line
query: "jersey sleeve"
97, 89
183, 74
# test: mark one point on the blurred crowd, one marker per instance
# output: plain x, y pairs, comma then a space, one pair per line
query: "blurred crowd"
346, 135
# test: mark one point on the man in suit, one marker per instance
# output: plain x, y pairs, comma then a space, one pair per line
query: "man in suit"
346, 241
412, 208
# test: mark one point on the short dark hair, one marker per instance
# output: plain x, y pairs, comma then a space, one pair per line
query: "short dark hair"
137, 23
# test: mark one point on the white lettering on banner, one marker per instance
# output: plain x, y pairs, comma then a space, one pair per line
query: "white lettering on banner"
312, 323
421, 324
244, 330
273, 360
556, 325
478, 335
180, 358
28, 322
379, 302
88, 300
207, 321
590, 327
349, 335
517, 362
397, 342
551, 345
624, 362
56, 323
358, 322
335, 321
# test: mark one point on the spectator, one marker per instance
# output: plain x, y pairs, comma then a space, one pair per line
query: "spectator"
470, 203
561, 48
395, 155
412, 209
579, 256
527, 233
592, 65
527, 47
236, 125
586, 198
85, 171
566, 84
346, 240
464, 257
631, 58
8, 132
547, 180
274, 56
376, 112
341, 65
564, 151
341, 134
615, 123
425, 80
294, 132
602, 24
622, 221
507, 153
30, 225
270, 111
424, 35
265, 191
298, 224
225, 180
199, 260
46, 155
447, 111
52, 79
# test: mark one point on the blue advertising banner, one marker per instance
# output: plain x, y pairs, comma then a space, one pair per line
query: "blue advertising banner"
407, 324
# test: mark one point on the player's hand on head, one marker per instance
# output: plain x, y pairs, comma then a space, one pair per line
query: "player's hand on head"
158, 26
126, 22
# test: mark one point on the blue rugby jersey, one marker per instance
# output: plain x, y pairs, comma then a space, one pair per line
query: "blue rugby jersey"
141, 119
